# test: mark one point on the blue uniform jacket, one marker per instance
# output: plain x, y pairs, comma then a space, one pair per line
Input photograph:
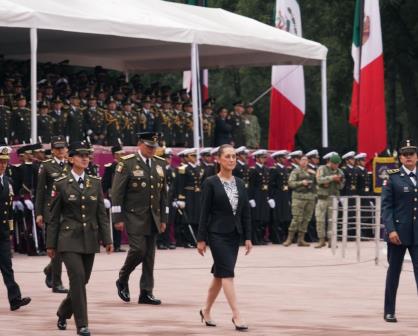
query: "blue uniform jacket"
399, 206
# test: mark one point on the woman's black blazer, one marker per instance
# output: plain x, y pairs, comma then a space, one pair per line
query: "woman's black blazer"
216, 211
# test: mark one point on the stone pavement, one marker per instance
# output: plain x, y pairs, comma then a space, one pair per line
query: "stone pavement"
281, 291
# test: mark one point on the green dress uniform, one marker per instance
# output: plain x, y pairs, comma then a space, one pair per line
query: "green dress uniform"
78, 222
303, 201
326, 188
237, 122
5, 122
21, 125
96, 125
45, 127
139, 199
50, 170
76, 125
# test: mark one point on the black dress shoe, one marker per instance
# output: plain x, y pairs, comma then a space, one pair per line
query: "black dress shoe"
148, 298
119, 250
390, 318
60, 289
123, 291
15, 305
162, 247
240, 327
61, 323
83, 331
172, 246
48, 278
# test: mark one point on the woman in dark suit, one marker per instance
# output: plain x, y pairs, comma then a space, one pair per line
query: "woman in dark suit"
225, 216
78, 222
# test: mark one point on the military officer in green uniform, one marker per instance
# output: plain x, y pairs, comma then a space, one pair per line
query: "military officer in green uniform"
78, 222
237, 121
302, 182
252, 127
21, 121
45, 122
95, 122
50, 170
208, 125
76, 125
330, 180
5, 119
139, 198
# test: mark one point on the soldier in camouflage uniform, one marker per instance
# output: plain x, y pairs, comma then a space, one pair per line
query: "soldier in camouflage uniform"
252, 128
21, 122
5, 119
302, 182
330, 180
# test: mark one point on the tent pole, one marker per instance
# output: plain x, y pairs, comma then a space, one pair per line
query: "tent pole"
33, 79
126, 76
195, 99
324, 104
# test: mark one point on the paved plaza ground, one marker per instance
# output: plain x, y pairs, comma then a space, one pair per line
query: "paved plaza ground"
281, 291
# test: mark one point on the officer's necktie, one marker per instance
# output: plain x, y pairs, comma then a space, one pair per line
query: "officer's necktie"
148, 163
413, 177
1, 183
81, 183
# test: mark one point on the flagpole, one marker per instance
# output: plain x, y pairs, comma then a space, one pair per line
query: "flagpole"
33, 80
195, 99
324, 103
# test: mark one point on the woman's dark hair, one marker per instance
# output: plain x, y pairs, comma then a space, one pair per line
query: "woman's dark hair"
223, 147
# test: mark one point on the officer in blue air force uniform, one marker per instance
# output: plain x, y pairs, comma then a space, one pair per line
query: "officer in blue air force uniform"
399, 214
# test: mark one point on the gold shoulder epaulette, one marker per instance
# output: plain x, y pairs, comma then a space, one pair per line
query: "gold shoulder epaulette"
159, 158
182, 169
61, 178
47, 160
95, 177
393, 171
127, 157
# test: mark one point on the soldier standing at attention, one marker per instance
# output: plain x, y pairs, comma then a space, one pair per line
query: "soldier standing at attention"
330, 180
109, 173
294, 159
78, 223
237, 121
6, 225
49, 171
349, 174
258, 194
252, 127
280, 192
5, 119
313, 158
207, 164
399, 215
21, 121
242, 170
45, 122
302, 182
76, 125
139, 196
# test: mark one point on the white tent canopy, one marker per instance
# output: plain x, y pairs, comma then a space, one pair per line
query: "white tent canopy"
146, 35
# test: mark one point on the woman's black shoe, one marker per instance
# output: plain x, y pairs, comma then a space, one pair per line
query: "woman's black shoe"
62, 323
83, 331
241, 327
208, 323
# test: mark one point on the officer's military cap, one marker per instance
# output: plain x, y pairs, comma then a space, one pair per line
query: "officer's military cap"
249, 105
21, 97
111, 100
241, 150
190, 151
5, 152
92, 97
168, 152
205, 151
25, 149
407, 146
239, 103
18, 84
349, 155
75, 95
328, 155
57, 100
279, 153
296, 153
360, 156
117, 149
37, 147
260, 152
335, 158
149, 138
79, 148
312, 153
187, 104
58, 141
1, 93
147, 99
127, 102
181, 153
43, 103
214, 151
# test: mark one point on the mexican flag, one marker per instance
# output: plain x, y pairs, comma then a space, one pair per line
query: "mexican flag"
367, 111
287, 99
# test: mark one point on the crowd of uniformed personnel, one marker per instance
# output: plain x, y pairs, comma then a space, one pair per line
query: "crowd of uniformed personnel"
283, 196
103, 110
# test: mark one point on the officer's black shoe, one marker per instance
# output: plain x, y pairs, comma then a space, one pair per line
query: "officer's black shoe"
60, 289
172, 246
119, 250
16, 304
83, 331
162, 247
61, 323
188, 245
123, 291
390, 318
147, 298
48, 278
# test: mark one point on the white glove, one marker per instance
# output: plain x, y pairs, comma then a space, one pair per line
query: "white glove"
272, 203
181, 204
107, 203
252, 203
18, 205
29, 205
89, 132
175, 205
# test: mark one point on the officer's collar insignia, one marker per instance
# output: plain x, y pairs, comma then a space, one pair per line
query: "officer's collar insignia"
71, 180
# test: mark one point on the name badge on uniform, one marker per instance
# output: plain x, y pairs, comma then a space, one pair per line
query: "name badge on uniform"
160, 171
93, 198
405, 189
138, 173
55, 174
72, 198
